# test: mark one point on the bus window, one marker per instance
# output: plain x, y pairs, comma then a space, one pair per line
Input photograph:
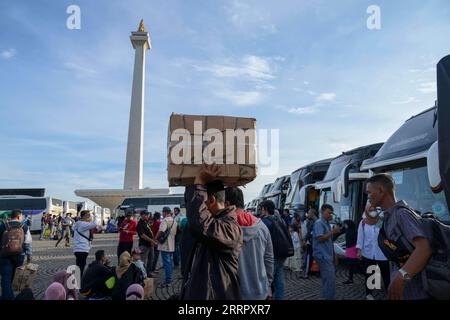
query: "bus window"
57, 202
413, 187
23, 204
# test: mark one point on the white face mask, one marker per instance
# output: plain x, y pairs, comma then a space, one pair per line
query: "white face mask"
373, 214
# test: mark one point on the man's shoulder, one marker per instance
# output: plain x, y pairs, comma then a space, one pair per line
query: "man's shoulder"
317, 222
400, 211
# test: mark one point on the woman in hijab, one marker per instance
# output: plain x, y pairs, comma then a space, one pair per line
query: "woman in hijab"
62, 277
127, 273
55, 291
351, 253
369, 251
135, 292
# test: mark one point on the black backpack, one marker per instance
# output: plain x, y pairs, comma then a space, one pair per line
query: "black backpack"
437, 270
281, 239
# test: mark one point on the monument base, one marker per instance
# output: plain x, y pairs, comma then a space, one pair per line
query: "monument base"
111, 198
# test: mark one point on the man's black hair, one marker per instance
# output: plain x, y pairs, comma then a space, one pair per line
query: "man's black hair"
269, 206
313, 211
217, 189
325, 207
15, 213
157, 215
385, 180
99, 254
84, 213
235, 197
176, 208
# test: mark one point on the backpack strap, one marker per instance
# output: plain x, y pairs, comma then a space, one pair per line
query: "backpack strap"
414, 215
83, 235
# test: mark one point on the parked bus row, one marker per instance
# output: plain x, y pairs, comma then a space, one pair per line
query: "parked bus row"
410, 156
35, 207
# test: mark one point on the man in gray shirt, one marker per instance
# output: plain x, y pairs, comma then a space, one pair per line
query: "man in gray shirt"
401, 226
323, 251
67, 223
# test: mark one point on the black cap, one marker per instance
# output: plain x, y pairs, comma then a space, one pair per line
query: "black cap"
129, 212
166, 209
144, 213
214, 186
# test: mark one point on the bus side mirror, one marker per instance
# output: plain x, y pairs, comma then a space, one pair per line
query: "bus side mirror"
336, 189
434, 176
303, 195
344, 178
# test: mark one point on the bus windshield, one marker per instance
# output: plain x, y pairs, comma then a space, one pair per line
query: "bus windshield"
23, 204
336, 167
156, 201
293, 188
347, 208
413, 187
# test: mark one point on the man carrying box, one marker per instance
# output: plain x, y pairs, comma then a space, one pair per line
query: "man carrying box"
212, 269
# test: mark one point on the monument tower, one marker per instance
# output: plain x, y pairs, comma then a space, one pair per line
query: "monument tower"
133, 181
135, 147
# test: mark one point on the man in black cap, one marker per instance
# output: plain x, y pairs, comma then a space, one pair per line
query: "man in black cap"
212, 269
146, 240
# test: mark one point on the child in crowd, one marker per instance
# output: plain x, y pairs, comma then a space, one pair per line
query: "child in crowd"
136, 260
294, 263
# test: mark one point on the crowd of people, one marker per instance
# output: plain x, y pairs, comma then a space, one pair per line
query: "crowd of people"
227, 253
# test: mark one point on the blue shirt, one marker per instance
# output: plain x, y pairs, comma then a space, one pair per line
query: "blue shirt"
267, 222
322, 250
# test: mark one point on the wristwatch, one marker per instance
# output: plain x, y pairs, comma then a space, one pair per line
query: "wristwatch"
404, 274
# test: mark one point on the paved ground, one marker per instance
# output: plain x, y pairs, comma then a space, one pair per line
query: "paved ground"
52, 260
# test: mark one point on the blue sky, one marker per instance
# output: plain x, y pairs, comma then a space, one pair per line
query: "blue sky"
309, 68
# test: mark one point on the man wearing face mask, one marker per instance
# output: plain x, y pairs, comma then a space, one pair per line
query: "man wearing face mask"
367, 245
212, 267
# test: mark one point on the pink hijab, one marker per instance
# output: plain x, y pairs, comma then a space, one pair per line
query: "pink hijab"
135, 292
55, 291
62, 278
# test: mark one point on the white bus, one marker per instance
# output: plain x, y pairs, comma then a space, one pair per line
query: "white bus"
70, 207
33, 207
153, 203
102, 215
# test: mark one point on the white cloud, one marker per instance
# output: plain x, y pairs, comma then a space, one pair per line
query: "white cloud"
249, 18
8, 53
427, 87
423, 70
79, 70
242, 98
243, 81
298, 110
302, 110
270, 28
326, 97
250, 67
406, 101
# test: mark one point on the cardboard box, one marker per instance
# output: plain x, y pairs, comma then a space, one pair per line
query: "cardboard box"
24, 276
230, 142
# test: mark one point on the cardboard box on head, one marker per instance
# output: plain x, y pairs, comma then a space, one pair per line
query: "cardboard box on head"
230, 142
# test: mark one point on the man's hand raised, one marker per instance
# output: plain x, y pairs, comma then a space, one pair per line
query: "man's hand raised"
207, 173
